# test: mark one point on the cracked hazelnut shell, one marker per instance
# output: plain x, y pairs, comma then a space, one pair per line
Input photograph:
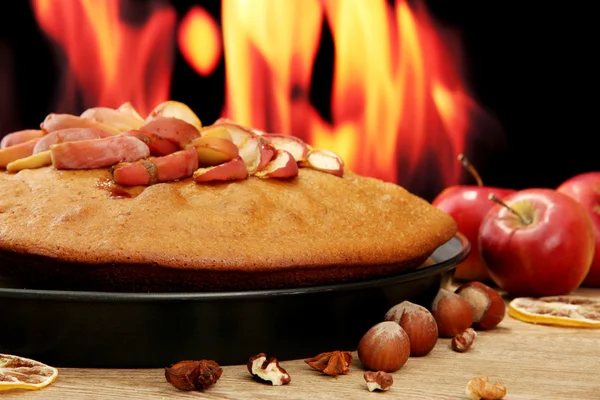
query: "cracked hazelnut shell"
487, 304
451, 312
419, 325
385, 347
193, 375
378, 380
267, 370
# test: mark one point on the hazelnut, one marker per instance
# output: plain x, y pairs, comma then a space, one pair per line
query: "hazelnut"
419, 325
385, 347
451, 312
488, 306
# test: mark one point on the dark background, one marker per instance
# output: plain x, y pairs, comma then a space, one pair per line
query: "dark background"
530, 65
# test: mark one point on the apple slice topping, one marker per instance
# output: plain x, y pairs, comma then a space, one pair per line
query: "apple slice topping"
33, 161
18, 137
325, 161
267, 152
283, 165
158, 145
293, 145
216, 131
112, 117
148, 171
175, 109
230, 171
239, 134
213, 150
164, 146
68, 135
97, 153
55, 122
173, 129
129, 109
224, 120
13, 153
250, 152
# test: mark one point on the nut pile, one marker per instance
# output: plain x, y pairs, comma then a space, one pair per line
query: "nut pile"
407, 330
412, 330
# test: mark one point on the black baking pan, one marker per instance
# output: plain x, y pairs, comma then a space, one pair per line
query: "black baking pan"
151, 330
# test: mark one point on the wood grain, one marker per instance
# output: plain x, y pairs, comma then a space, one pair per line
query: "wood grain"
533, 361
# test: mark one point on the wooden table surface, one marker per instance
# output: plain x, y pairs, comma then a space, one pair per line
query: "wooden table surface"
533, 361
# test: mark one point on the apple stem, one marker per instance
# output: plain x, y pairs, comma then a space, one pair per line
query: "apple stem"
467, 164
524, 220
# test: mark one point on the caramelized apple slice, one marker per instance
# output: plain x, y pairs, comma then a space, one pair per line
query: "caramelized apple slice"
250, 151
112, 117
179, 165
68, 135
16, 152
173, 129
37, 160
326, 161
175, 109
230, 171
158, 145
14, 138
57, 122
97, 153
293, 145
282, 166
214, 150
129, 109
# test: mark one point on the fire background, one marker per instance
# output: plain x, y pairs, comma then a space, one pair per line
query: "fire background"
532, 65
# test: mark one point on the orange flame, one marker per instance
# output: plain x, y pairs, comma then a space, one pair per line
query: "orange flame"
199, 40
110, 61
400, 110
270, 47
397, 95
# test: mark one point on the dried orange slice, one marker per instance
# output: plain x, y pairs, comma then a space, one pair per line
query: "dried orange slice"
22, 373
576, 311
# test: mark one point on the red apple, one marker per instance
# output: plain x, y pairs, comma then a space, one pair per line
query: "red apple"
468, 204
585, 188
538, 242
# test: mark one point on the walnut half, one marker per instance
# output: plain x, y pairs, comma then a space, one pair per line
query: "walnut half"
268, 370
481, 388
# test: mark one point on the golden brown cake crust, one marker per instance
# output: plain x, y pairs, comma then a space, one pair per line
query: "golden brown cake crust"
315, 228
